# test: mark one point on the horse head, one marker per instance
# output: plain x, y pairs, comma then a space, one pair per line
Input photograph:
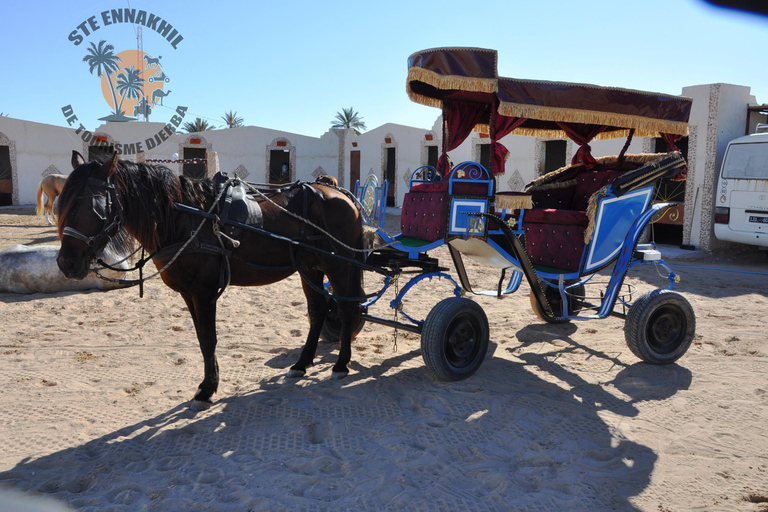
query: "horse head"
90, 214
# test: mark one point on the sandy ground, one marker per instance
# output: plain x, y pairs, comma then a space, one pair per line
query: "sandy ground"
96, 389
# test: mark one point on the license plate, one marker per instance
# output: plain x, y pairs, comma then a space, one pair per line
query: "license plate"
761, 220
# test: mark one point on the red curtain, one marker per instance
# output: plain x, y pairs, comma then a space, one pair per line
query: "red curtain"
582, 134
501, 126
459, 118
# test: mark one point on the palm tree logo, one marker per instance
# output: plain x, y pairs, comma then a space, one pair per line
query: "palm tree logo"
103, 60
129, 85
122, 85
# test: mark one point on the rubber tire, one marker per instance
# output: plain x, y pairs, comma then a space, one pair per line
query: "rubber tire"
331, 331
455, 338
660, 326
553, 293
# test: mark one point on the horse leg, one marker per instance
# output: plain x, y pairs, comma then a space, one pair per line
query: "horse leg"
203, 312
48, 208
350, 314
317, 309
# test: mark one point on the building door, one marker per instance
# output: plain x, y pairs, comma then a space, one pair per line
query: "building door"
279, 166
390, 175
194, 171
354, 168
432, 156
6, 177
485, 156
554, 155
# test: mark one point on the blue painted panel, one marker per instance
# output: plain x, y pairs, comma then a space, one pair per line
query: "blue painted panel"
614, 218
459, 222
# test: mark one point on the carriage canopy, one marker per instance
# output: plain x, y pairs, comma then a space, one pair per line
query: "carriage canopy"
464, 83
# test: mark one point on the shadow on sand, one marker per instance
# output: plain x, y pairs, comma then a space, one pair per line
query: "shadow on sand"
388, 437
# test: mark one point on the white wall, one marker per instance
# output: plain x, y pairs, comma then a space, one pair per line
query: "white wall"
718, 115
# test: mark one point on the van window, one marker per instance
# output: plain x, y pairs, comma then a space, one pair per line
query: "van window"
746, 162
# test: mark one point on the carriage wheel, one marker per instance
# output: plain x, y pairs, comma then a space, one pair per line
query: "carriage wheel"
553, 296
455, 338
660, 326
331, 331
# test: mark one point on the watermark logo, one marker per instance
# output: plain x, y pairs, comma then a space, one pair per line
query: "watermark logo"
132, 82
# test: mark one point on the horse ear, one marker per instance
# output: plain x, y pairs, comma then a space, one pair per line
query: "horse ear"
109, 166
77, 160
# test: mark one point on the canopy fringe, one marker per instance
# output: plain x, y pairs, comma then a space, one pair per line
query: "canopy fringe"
645, 127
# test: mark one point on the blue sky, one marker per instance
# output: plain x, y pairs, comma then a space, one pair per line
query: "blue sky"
292, 65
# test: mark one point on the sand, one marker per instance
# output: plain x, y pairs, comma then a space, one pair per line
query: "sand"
96, 386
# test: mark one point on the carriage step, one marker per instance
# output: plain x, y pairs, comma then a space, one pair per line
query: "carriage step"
647, 252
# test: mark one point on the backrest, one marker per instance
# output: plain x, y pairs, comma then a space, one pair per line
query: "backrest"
373, 198
424, 174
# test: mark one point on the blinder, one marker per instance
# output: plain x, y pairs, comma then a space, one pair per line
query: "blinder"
107, 208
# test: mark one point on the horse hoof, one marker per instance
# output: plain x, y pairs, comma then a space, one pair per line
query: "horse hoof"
295, 374
338, 375
199, 405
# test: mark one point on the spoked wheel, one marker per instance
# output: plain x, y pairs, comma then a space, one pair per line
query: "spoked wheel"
331, 331
660, 326
455, 338
553, 296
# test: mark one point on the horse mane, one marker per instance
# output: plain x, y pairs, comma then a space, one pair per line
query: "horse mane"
147, 193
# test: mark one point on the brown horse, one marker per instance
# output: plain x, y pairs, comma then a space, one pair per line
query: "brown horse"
51, 186
148, 201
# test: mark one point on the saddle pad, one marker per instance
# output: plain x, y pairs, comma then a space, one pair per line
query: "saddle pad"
236, 205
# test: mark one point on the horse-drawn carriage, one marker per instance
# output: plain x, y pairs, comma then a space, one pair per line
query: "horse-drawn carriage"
564, 228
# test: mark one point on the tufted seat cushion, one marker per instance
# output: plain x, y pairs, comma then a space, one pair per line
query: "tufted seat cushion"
425, 214
555, 238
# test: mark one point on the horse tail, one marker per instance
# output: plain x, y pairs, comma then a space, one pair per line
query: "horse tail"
39, 209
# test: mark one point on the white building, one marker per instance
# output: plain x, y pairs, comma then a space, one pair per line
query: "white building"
720, 113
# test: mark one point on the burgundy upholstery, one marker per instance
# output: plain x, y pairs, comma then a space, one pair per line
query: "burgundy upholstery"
552, 216
554, 228
555, 238
425, 214
587, 183
425, 207
553, 198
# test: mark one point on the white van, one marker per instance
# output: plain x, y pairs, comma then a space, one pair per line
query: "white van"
741, 201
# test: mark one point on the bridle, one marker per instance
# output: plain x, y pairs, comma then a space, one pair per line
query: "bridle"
108, 208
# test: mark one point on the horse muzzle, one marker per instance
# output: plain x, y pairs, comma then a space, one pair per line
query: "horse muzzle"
72, 267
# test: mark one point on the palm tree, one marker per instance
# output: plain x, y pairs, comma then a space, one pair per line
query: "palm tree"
232, 120
103, 60
348, 119
129, 85
198, 125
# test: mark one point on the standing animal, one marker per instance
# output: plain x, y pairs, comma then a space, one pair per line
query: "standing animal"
147, 200
51, 186
151, 62
159, 94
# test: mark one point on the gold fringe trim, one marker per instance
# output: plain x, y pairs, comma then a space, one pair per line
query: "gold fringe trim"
572, 115
515, 202
445, 83
552, 186
592, 213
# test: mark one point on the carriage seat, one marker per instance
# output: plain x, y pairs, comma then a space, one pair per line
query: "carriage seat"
426, 205
556, 226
